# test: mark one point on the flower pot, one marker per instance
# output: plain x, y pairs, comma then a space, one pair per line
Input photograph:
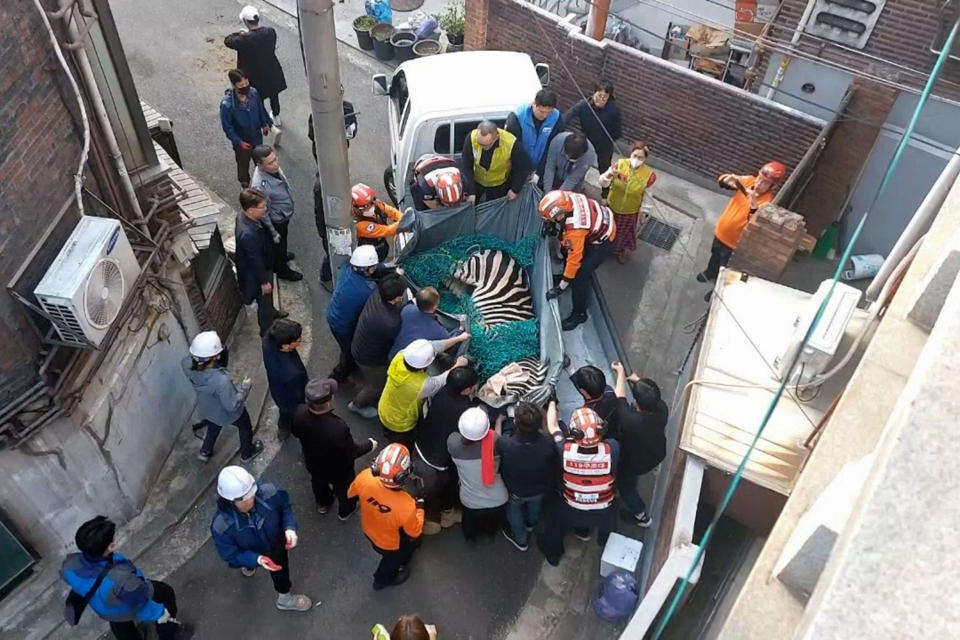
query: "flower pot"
426, 48
455, 39
361, 27
402, 42
453, 48
381, 35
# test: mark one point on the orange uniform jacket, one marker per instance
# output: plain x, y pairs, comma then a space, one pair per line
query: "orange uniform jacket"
735, 217
575, 239
385, 512
370, 228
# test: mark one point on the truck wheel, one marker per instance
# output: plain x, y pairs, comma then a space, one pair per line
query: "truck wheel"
390, 185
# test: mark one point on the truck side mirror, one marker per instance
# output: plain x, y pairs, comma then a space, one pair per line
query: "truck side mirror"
380, 86
543, 72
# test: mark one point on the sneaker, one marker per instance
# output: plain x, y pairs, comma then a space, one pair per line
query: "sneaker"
644, 520
573, 321
322, 510
402, 576
509, 536
277, 122
366, 412
702, 277
290, 276
327, 285
347, 517
291, 255
582, 536
257, 450
293, 602
199, 430
450, 517
203, 456
431, 528
281, 314
248, 573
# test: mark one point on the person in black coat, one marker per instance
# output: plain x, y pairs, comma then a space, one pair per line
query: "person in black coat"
643, 440
286, 375
254, 258
600, 120
377, 328
256, 55
329, 450
597, 395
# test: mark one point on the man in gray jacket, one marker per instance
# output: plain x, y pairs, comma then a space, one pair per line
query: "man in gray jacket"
569, 157
269, 179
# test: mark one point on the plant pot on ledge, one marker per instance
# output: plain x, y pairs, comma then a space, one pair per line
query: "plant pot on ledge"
362, 26
451, 20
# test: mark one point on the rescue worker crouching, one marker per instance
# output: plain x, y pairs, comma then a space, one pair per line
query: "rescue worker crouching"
586, 230
375, 220
436, 182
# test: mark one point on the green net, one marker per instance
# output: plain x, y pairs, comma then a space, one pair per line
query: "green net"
492, 348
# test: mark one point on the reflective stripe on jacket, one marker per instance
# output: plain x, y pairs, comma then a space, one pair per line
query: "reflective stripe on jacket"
588, 477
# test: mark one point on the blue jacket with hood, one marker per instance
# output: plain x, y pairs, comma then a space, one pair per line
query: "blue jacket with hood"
124, 594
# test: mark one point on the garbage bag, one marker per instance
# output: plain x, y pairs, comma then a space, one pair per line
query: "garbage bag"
380, 10
617, 596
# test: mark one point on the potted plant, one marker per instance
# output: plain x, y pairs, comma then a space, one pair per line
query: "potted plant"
361, 26
452, 23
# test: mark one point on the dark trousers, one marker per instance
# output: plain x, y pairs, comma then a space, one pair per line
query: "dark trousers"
281, 579
244, 429
478, 522
391, 561
162, 593
243, 165
346, 365
719, 257
285, 420
374, 378
593, 257
321, 221
627, 490
266, 314
280, 266
328, 484
274, 103
486, 194
439, 488
562, 518
406, 438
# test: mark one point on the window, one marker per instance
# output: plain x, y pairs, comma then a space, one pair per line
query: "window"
441, 141
403, 120
399, 92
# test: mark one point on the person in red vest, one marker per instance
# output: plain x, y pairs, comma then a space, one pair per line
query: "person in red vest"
588, 466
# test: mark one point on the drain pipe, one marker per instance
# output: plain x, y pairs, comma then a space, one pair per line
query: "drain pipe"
785, 62
89, 81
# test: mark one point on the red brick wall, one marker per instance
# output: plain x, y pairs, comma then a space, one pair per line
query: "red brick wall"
688, 119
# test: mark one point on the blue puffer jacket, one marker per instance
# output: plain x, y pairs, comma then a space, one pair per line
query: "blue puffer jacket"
124, 594
346, 303
241, 538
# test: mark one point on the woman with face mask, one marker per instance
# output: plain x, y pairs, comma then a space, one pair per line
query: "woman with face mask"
628, 179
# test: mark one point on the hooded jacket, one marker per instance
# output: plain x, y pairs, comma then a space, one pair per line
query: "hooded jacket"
376, 330
243, 122
219, 400
241, 538
351, 293
124, 594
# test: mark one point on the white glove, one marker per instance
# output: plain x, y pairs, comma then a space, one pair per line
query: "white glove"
373, 442
164, 617
291, 538
534, 178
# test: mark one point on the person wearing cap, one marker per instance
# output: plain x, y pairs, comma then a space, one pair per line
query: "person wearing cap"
419, 320
355, 282
219, 401
588, 467
119, 592
408, 385
244, 121
329, 449
256, 54
375, 220
569, 157
286, 375
642, 439
436, 182
751, 193
254, 527
390, 518
482, 492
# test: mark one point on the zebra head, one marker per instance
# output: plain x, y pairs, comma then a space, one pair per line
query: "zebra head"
468, 274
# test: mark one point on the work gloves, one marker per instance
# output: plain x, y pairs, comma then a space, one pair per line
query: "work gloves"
557, 290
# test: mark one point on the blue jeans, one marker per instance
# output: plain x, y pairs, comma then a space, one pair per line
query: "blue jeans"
627, 488
244, 429
523, 513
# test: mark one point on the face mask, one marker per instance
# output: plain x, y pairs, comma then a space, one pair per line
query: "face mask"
243, 90
635, 162
368, 212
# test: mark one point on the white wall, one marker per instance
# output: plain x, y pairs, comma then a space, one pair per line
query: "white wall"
656, 17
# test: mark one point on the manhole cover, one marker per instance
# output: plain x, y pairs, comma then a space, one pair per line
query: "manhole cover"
659, 234
405, 5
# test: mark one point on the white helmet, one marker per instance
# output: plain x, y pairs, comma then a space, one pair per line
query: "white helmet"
236, 483
364, 256
474, 424
249, 14
419, 354
206, 345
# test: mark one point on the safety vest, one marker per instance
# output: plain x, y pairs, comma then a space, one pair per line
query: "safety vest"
588, 477
626, 196
399, 406
500, 165
591, 216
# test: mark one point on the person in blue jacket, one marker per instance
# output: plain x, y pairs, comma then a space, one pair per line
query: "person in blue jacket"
535, 125
286, 375
244, 121
355, 282
254, 527
124, 596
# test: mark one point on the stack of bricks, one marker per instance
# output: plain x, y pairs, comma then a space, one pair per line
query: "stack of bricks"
768, 242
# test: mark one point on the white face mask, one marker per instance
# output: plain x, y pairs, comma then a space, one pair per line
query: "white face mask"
635, 162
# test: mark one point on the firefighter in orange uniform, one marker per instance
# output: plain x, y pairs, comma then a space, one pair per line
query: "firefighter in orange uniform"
586, 230
376, 220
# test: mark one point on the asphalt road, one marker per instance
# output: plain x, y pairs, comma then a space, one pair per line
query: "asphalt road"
179, 63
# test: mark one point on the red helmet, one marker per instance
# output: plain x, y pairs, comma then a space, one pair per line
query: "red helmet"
773, 171
555, 202
362, 196
586, 427
392, 465
449, 186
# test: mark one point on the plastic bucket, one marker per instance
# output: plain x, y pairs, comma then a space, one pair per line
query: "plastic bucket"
402, 42
363, 35
426, 48
381, 34
863, 266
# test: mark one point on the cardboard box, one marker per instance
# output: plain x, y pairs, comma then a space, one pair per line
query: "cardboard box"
748, 30
620, 554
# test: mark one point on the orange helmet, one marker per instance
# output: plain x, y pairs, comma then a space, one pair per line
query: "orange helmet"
362, 196
555, 202
586, 427
449, 186
392, 465
773, 171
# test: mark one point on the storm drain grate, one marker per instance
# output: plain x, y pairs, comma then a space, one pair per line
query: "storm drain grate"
659, 234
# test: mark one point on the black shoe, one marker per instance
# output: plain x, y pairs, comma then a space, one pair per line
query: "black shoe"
290, 276
702, 277
327, 285
707, 297
573, 321
185, 631
257, 450
198, 430
347, 517
281, 314
402, 576
509, 536
290, 255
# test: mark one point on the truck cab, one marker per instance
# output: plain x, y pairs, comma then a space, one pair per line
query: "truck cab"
436, 101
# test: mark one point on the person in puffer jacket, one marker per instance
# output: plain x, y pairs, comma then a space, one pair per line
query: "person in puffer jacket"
254, 527
124, 596
219, 401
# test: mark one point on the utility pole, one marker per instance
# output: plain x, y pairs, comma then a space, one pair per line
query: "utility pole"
318, 38
597, 19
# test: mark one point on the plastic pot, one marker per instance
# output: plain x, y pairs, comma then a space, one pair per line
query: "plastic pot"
363, 32
456, 40
381, 35
402, 42
426, 48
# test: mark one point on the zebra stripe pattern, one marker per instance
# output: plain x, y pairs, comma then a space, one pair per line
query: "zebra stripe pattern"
534, 374
501, 287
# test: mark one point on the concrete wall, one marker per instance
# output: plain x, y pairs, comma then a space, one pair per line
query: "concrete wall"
658, 18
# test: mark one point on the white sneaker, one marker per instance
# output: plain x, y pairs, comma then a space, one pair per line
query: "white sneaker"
276, 121
293, 602
366, 412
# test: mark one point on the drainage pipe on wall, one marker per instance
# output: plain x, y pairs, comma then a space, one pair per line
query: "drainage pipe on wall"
785, 62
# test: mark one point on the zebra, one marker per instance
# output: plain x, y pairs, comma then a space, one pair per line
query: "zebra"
520, 380
500, 286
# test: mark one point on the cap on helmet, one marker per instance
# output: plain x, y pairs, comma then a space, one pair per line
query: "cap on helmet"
362, 196
419, 354
392, 465
449, 187
236, 483
364, 256
555, 202
206, 345
474, 424
773, 171
586, 427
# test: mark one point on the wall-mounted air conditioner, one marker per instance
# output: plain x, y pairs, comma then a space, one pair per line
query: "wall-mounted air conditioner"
849, 22
84, 288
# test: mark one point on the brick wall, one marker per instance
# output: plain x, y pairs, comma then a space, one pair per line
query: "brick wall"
688, 119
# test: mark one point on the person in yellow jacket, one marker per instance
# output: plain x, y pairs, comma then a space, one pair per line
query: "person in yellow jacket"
628, 180
408, 385
492, 164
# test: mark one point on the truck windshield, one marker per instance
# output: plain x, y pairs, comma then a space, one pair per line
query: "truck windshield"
442, 142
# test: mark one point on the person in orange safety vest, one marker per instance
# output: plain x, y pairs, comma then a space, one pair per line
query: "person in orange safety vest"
375, 220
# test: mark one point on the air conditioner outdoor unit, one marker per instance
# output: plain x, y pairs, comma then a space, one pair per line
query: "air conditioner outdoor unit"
88, 281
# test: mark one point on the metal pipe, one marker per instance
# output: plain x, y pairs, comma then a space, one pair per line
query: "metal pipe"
597, 19
785, 62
